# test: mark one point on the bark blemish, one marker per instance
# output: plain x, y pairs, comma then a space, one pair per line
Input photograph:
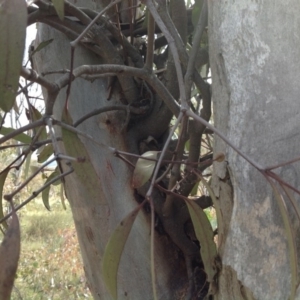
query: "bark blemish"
89, 233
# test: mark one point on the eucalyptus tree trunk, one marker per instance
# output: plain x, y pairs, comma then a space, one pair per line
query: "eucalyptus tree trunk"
254, 54
101, 194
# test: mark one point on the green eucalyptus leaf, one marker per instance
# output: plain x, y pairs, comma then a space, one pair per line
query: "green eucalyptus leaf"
114, 249
62, 197
290, 237
9, 257
13, 22
3, 176
195, 189
27, 165
45, 153
21, 137
36, 115
205, 236
59, 6
41, 46
45, 192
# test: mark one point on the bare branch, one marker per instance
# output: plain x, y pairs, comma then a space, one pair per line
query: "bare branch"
108, 108
202, 23
151, 79
173, 48
36, 193
22, 129
150, 45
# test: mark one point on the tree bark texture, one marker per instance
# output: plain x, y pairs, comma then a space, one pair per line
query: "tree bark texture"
254, 54
99, 206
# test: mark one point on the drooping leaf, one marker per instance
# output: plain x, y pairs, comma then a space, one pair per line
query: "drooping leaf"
205, 236
216, 205
13, 22
9, 257
290, 238
59, 6
41, 46
114, 249
85, 171
45, 192
194, 191
36, 115
3, 176
144, 169
62, 197
45, 153
27, 165
21, 137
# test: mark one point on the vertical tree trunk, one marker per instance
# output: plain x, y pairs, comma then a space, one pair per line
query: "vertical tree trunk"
103, 196
254, 54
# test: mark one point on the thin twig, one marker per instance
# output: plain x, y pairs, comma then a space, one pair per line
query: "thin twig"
108, 108
163, 152
32, 125
173, 48
35, 193
9, 197
75, 42
52, 135
202, 23
32, 75
150, 44
225, 139
282, 164
77, 12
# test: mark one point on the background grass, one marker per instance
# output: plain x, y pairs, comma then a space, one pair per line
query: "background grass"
50, 265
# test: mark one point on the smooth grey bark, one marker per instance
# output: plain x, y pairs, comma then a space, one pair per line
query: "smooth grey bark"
96, 217
254, 54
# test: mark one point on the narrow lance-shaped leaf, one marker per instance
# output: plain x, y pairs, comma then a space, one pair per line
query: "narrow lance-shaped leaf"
27, 165
9, 257
144, 169
114, 249
59, 6
21, 137
41, 46
216, 206
290, 238
3, 176
13, 22
36, 115
45, 192
62, 197
205, 236
45, 153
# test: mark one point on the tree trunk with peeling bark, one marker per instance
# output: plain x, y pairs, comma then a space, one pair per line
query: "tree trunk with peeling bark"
103, 196
252, 58
253, 53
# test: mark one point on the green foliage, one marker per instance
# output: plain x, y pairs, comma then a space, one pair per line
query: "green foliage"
114, 250
22, 137
205, 236
59, 6
9, 257
45, 192
12, 40
3, 176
